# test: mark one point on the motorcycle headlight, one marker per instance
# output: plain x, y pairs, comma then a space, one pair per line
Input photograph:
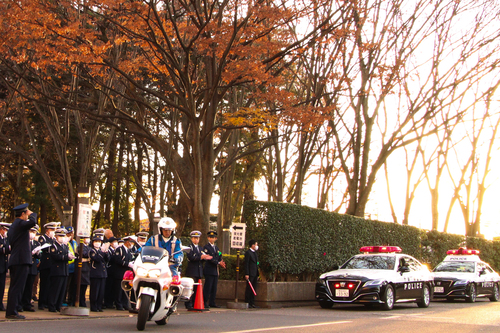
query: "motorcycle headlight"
154, 273
141, 271
374, 282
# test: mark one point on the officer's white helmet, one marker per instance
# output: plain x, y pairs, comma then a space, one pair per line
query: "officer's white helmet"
166, 223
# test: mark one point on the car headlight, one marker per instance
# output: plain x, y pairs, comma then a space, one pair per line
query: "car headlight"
461, 283
154, 273
374, 282
141, 271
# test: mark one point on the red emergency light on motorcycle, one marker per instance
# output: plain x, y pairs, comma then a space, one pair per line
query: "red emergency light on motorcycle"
175, 280
463, 250
380, 249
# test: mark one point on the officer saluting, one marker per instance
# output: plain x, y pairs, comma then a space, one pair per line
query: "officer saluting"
195, 264
44, 267
20, 257
33, 271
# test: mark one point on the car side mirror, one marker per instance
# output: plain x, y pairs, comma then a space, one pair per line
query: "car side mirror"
335, 267
482, 272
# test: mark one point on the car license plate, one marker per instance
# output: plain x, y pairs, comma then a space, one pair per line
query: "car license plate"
342, 292
439, 289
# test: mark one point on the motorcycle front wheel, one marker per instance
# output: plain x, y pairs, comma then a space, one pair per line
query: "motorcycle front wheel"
143, 314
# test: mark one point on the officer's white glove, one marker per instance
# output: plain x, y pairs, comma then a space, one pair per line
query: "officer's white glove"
105, 247
131, 264
71, 256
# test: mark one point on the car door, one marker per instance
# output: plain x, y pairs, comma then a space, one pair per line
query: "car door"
481, 279
408, 268
489, 278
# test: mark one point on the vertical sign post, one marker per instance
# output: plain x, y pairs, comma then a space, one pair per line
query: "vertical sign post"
237, 242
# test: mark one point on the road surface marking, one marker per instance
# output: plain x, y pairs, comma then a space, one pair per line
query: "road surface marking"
290, 327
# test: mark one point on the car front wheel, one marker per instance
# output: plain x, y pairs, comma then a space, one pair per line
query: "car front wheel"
388, 298
472, 294
496, 293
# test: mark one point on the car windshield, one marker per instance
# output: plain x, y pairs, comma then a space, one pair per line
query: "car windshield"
370, 262
455, 267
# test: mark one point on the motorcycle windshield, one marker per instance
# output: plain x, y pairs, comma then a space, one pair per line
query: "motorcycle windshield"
151, 254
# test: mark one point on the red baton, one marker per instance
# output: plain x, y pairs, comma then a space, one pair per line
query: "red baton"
253, 290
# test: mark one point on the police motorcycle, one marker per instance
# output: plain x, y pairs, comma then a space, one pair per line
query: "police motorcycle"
157, 292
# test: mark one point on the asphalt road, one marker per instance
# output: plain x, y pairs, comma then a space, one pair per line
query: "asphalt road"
441, 316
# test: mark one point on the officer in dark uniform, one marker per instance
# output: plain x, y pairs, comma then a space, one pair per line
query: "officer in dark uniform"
59, 256
20, 257
98, 273
142, 238
121, 261
194, 268
85, 279
44, 267
251, 272
33, 272
109, 289
211, 270
4, 252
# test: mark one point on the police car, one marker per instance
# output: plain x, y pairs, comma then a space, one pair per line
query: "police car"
463, 275
380, 275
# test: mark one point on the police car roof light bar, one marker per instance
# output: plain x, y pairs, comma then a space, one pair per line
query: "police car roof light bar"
380, 249
462, 251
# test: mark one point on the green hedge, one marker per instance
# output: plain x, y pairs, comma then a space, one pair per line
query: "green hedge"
300, 243
305, 242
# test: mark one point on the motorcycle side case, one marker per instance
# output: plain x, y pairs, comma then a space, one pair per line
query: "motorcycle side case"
187, 284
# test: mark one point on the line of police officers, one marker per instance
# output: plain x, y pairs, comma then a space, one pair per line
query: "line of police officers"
104, 262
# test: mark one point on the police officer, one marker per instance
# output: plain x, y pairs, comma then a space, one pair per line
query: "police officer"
166, 239
44, 267
142, 237
33, 272
73, 249
59, 256
98, 273
20, 257
109, 289
251, 272
194, 268
211, 270
85, 278
121, 260
4, 252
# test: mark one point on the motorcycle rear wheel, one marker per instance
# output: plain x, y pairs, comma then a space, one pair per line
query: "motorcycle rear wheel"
143, 315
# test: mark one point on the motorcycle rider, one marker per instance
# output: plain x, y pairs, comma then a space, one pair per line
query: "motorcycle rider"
167, 240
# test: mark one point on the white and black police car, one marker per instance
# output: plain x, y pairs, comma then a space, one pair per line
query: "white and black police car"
462, 275
380, 275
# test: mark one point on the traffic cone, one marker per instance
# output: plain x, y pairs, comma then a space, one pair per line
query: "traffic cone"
199, 304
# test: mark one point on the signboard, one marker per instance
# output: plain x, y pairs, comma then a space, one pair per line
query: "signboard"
84, 223
238, 235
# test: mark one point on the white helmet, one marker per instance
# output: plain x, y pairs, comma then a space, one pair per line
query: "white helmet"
166, 223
